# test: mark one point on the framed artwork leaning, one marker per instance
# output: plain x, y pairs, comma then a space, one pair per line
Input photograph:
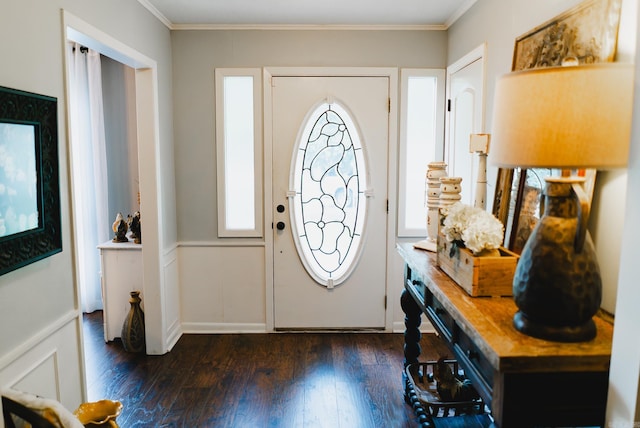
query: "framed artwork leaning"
30, 226
586, 33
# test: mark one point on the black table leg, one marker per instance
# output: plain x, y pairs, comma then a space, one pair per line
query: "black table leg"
412, 336
412, 321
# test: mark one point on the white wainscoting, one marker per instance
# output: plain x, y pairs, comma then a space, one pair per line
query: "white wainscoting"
222, 288
49, 363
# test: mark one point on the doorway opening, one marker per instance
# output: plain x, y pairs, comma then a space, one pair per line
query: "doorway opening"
104, 159
144, 85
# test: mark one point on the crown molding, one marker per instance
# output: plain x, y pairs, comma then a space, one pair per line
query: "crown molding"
151, 8
458, 13
308, 27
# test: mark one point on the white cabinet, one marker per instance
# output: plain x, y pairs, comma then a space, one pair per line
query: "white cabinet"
121, 273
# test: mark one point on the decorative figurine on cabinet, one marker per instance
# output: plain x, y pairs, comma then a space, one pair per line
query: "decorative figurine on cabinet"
135, 226
120, 228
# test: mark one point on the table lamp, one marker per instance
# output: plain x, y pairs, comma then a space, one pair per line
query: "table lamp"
570, 117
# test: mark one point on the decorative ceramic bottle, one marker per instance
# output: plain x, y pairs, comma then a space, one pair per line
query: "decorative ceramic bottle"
133, 328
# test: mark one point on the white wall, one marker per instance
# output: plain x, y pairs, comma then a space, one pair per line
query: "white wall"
623, 406
614, 233
40, 323
607, 220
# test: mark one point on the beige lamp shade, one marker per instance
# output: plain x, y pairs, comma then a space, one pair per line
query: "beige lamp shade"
563, 117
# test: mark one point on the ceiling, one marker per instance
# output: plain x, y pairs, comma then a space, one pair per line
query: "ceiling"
202, 14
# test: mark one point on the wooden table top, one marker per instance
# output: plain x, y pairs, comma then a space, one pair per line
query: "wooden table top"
489, 322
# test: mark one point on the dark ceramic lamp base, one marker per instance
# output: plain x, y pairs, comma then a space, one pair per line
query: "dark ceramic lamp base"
581, 333
557, 285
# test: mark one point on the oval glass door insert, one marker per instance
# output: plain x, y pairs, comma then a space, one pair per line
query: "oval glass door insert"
329, 202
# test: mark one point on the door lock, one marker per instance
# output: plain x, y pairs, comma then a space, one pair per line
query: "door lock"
280, 225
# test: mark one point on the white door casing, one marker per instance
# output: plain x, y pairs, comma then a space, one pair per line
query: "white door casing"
300, 300
161, 312
465, 98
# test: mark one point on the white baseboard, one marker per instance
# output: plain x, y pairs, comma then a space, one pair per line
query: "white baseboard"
221, 328
174, 334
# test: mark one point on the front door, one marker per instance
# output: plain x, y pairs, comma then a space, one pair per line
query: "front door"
330, 144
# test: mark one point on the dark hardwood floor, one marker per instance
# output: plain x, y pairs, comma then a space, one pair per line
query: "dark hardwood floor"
335, 380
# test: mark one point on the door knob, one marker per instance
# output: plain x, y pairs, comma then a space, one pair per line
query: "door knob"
280, 208
280, 225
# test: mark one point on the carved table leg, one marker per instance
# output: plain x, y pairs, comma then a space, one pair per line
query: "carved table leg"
412, 321
412, 336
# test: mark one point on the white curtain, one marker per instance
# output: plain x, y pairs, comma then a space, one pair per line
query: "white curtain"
89, 170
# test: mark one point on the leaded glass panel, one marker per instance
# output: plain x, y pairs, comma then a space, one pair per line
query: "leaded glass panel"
329, 202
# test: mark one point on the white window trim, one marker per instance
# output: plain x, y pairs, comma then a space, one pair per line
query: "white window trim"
220, 74
405, 74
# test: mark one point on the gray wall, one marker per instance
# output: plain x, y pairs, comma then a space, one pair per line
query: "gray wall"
121, 143
197, 53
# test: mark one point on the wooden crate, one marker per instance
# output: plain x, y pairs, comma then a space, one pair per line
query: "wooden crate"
478, 276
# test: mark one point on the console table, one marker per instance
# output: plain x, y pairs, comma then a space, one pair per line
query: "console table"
526, 382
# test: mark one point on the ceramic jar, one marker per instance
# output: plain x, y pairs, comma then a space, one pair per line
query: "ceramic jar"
133, 338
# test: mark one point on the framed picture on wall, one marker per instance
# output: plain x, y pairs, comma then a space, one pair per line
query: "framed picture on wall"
29, 184
585, 34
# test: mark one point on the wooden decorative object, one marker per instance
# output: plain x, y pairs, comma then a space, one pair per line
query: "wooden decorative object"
435, 172
478, 276
479, 143
450, 188
420, 377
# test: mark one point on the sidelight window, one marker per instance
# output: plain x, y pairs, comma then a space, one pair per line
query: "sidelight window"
238, 143
421, 142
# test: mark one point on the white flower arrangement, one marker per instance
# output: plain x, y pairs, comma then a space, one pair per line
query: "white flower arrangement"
473, 228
